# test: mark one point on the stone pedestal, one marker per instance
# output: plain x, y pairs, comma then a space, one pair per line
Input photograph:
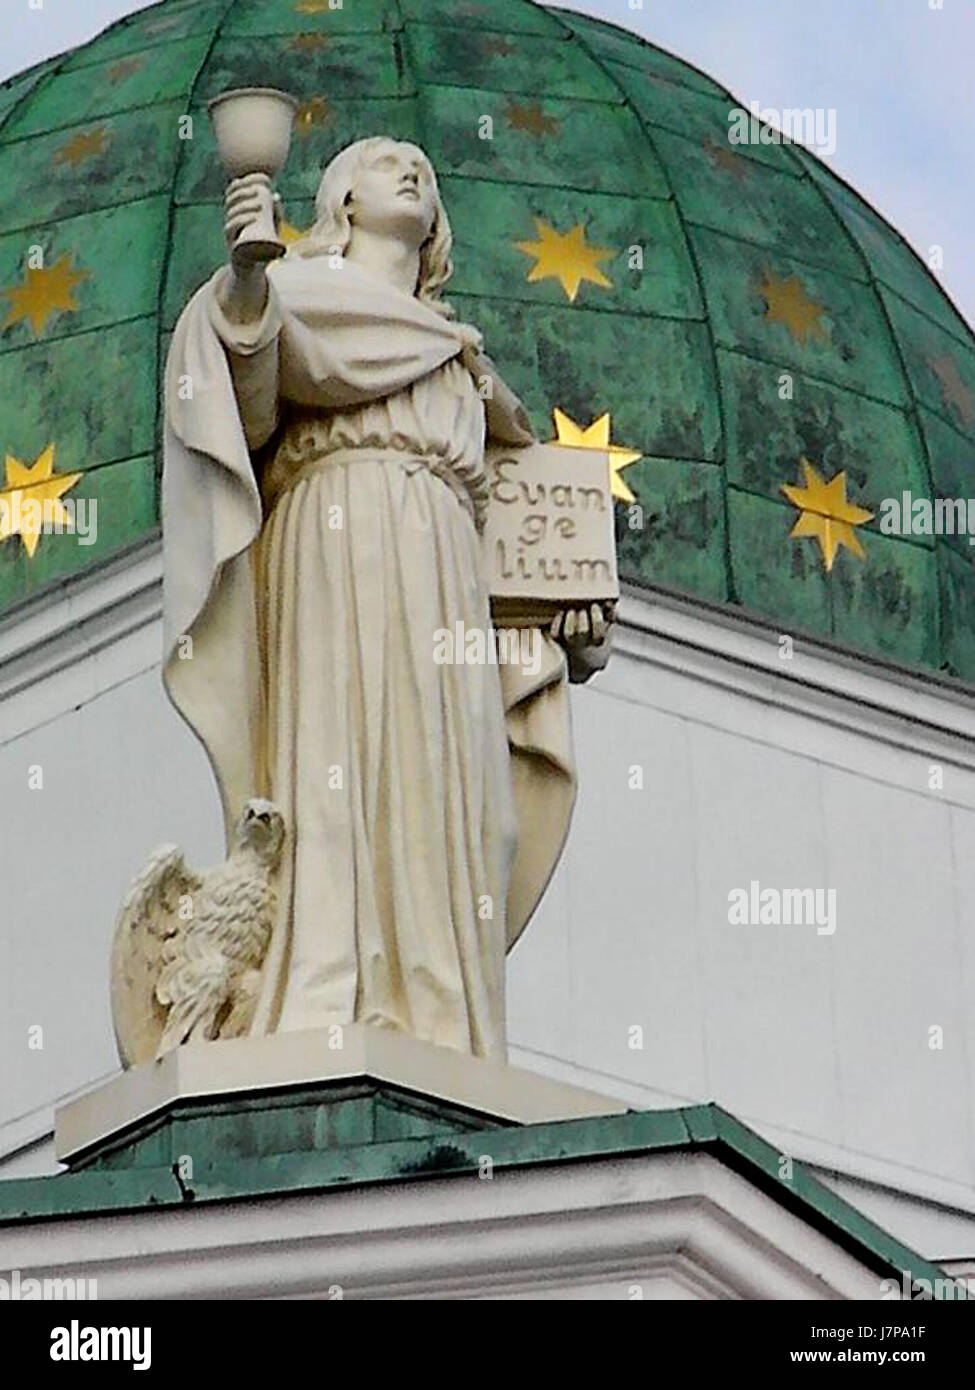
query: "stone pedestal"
302, 1092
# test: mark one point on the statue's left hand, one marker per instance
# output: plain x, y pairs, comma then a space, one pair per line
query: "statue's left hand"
585, 634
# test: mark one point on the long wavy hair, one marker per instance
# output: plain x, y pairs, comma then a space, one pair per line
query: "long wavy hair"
333, 226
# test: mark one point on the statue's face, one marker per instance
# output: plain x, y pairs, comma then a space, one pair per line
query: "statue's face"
394, 194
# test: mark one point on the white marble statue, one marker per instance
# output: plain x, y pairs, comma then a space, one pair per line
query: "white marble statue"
323, 487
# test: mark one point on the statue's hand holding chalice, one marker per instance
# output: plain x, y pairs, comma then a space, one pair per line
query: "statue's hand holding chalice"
253, 128
249, 208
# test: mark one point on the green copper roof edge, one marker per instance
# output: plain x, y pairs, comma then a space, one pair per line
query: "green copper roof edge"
598, 22
26, 72
57, 63
804, 1192
967, 342
129, 21
806, 154
703, 1128
802, 153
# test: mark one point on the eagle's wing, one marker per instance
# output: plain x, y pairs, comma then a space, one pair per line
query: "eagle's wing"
149, 917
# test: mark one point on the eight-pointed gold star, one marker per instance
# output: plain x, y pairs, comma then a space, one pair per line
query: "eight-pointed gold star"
566, 257
826, 514
37, 484
596, 436
43, 293
85, 145
788, 303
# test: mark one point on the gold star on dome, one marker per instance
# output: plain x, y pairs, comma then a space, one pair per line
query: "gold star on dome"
310, 114
125, 67
530, 117
954, 392
724, 158
30, 499
566, 257
85, 145
825, 514
789, 304
44, 293
311, 7
596, 436
308, 43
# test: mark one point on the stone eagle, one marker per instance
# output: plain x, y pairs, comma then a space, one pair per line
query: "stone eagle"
188, 948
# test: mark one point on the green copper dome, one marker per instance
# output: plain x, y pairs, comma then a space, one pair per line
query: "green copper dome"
715, 276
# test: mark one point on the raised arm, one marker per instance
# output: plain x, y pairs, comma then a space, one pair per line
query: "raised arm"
246, 318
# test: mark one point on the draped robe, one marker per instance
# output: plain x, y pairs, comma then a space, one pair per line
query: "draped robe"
426, 804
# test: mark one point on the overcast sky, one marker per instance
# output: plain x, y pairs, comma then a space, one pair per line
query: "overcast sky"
898, 73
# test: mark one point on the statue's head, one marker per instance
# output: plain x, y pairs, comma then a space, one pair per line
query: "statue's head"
387, 187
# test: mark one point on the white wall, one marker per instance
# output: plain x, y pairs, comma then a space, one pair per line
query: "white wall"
809, 773
813, 773
120, 776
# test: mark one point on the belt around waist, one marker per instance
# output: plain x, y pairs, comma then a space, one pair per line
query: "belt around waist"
306, 468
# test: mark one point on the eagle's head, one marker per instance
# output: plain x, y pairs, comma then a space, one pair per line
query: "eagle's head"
261, 829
